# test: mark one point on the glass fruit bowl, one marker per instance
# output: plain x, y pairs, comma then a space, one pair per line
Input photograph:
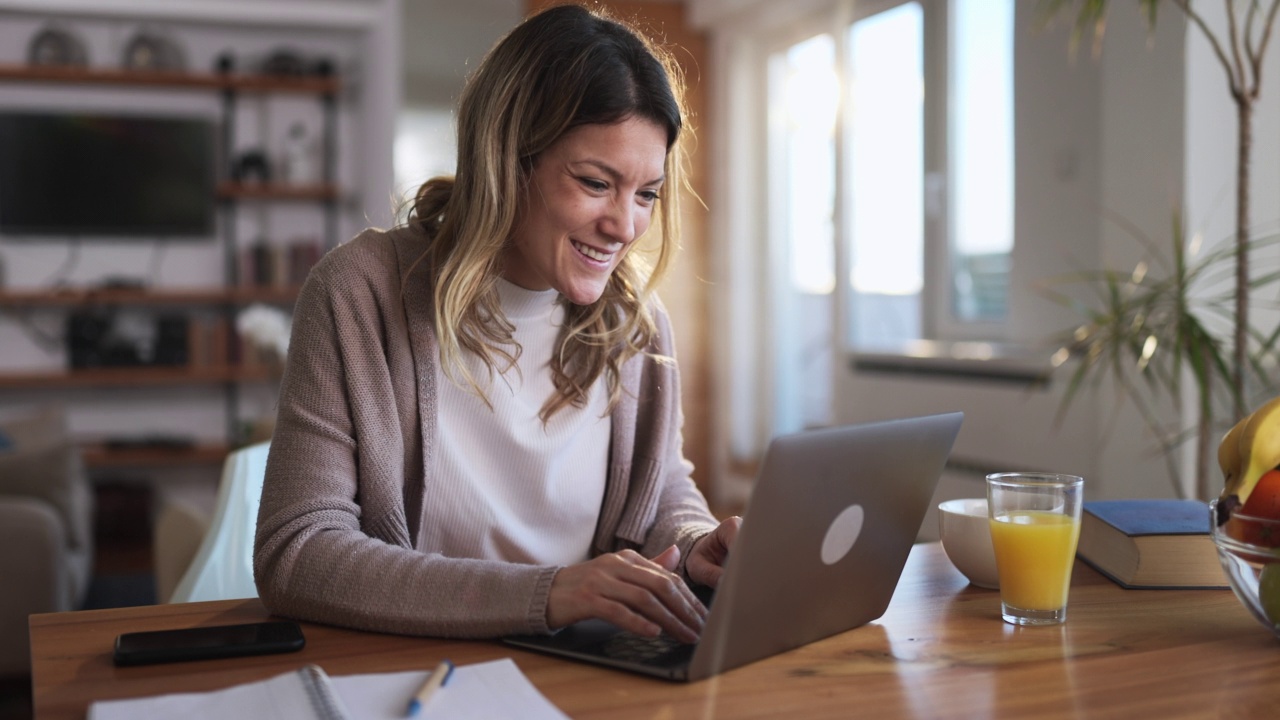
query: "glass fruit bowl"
1249, 549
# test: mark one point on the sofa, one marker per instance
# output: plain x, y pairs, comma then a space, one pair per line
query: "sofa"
46, 527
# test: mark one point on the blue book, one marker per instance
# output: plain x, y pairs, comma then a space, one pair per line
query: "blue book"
1151, 543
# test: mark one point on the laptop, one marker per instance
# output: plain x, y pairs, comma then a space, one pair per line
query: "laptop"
832, 518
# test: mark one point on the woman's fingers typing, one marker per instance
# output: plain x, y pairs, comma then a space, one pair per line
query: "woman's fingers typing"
706, 561
637, 594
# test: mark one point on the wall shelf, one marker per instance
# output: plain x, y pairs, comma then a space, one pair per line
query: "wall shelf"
141, 376
310, 193
86, 297
316, 85
99, 455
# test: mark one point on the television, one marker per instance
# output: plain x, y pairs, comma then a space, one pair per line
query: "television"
79, 174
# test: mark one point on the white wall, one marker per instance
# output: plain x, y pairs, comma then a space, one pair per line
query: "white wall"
1211, 158
444, 41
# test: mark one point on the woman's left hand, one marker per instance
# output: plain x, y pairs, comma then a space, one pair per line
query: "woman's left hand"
706, 561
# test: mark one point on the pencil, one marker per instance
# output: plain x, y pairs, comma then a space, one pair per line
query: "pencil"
434, 682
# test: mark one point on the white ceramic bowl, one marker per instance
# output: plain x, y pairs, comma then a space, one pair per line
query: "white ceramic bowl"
966, 538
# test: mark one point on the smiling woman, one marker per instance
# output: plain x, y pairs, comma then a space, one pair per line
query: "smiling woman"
479, 429
590, 196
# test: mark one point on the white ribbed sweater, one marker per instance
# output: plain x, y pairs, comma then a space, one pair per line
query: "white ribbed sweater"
531, 491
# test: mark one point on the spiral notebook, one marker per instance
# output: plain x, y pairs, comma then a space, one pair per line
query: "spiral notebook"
494, 690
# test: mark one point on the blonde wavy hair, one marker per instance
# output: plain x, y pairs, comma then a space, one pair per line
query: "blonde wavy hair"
562, 68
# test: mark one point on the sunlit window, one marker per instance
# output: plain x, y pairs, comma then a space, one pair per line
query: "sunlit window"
885, 203
889, 189
811, 93
981, 158
805, 88
886, 170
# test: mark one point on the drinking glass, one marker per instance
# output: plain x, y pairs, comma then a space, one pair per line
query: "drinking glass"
1035, 524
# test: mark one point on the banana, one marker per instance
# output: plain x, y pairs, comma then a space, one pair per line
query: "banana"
1229, 457
1257, 451
1230, 461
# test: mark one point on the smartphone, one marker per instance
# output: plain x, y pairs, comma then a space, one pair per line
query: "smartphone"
205, 643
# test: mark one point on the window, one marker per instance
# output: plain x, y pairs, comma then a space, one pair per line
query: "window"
885, 199
981, 143
802, 120
926, 221
866, 195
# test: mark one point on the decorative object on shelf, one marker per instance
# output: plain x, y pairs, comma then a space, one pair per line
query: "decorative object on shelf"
99, 338
278, 63
264, 331
57, 46
90, 342
224, 64
283, 62
251, 166
151, 49
301, 159
266, 328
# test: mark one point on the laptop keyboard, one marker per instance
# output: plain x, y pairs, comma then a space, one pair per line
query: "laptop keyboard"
660, 650
640, 649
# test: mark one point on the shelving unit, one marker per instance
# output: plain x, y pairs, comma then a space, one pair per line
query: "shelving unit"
149, 376
310, 85
225, 300
78, 297
99, 455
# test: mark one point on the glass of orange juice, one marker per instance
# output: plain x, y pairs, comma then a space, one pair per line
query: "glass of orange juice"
1035, 523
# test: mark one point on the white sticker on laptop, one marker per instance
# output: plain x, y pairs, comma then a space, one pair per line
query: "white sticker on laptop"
842, 534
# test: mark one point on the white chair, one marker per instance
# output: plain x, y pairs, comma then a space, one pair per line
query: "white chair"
222, 568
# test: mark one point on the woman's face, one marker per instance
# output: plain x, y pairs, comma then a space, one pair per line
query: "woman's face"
590, 195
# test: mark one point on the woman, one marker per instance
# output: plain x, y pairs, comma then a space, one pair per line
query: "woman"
479, 424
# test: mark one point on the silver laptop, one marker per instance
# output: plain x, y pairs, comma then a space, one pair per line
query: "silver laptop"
831, 521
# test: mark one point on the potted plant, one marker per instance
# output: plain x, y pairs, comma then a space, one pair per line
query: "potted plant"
1149, 330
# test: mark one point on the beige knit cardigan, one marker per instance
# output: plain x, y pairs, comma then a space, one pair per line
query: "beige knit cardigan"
356, 430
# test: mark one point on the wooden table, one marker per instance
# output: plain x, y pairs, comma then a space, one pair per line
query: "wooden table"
940, 651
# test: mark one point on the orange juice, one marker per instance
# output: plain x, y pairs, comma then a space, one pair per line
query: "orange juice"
1034, 553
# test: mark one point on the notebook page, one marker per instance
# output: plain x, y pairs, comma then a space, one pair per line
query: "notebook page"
491, 690
297, 694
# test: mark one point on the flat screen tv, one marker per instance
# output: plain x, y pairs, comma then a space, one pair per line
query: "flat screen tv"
77, 174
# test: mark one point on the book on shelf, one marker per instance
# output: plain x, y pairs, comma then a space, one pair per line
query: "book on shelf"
1151, 543
264, 264
208, 342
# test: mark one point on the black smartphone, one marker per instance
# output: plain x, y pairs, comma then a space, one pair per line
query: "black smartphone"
205, 643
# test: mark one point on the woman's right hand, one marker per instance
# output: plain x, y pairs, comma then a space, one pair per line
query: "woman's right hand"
643, 596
